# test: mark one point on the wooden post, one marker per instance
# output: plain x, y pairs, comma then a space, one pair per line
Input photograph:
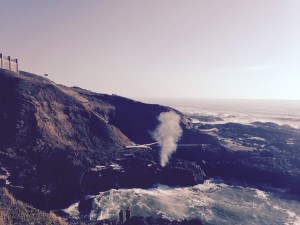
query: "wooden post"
9, 62
17, 65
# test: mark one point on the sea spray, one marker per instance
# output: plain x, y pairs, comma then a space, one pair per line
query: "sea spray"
167, 134
215, 201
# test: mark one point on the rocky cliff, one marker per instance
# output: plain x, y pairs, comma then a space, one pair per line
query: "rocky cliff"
58, 143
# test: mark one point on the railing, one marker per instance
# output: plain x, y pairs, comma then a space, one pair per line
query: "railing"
7, 63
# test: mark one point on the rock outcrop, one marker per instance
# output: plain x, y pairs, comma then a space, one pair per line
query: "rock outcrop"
58, 143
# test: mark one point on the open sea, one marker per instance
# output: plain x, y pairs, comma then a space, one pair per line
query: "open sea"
238, 111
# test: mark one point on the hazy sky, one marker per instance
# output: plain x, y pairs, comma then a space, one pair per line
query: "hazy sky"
159, 48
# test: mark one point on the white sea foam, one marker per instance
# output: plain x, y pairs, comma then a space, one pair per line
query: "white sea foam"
98, 168
116, 167
161, 202
256, 139
293, 218
72, 210
261, 194
213, 202
112, 166
290, 141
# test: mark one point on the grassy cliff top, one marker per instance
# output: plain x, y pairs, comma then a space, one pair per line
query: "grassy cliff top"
16, 212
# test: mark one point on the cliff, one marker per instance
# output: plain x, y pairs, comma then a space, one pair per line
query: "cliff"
58, 143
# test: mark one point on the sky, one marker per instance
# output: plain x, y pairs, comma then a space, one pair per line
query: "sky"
232, 49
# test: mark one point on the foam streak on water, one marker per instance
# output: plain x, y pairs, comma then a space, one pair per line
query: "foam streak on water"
213, 203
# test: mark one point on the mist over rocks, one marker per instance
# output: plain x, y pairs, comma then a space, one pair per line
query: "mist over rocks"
167, 134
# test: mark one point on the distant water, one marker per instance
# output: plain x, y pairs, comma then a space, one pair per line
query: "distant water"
213, 202
238, 111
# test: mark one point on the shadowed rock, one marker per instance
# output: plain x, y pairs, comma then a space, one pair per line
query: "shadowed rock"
53, 139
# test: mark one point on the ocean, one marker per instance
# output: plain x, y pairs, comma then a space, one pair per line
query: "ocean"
217, 201
214, 202
238, 111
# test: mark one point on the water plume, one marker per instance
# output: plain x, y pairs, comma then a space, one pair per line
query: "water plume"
167, 134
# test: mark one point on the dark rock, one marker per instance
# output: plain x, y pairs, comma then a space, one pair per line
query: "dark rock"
191, 222
86, 205
271, 159
152, 221
52, 137
2, 182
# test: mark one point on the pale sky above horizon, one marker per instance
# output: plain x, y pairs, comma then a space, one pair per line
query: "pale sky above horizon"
235, 49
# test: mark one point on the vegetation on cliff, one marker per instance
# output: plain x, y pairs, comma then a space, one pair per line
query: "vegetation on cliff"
15, 212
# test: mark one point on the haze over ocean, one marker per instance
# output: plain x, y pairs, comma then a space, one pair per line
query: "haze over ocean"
239, 111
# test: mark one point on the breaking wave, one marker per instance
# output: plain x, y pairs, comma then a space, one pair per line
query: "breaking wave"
213, 202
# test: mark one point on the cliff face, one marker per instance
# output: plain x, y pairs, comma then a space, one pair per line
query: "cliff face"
54, 139
35, 112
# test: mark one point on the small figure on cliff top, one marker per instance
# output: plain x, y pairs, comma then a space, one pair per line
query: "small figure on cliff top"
127, 214
121, 217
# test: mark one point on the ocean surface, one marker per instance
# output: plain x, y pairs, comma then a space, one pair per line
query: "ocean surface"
216, 201
238, 111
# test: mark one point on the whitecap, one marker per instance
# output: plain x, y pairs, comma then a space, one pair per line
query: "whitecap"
72, 210
261, 194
